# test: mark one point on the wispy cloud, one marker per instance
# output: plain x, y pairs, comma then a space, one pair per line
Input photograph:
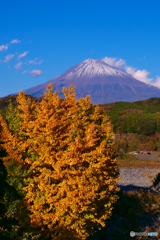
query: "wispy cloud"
8, 58
141, 75
15, 41
31, 61
3, 47
35, 61
91, 52
40, 61
22, 55
18, 65
34, 72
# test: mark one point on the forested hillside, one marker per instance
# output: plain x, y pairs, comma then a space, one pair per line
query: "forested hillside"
136, 124
141, 117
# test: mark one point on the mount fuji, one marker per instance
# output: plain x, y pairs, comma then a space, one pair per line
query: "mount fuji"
102, 82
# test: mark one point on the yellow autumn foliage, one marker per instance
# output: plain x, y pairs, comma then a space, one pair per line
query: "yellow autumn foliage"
69, 153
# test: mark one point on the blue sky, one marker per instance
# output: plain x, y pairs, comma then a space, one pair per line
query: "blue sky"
41, 39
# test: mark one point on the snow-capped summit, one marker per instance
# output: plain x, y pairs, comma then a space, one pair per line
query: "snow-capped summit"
102, 82
94, 67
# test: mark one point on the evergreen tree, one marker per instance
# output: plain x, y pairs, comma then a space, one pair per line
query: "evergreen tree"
15, 173
148, 126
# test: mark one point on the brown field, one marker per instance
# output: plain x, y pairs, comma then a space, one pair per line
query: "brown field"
138, 161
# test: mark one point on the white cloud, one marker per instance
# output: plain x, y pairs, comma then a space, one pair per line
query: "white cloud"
141, 75
3, 47
15, 41
109, 61
120, 63
34, 72
8, 67
114, 63
18, 66
22, 55
8, 58
156, 83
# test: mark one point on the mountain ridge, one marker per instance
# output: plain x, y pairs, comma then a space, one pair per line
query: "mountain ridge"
102, 82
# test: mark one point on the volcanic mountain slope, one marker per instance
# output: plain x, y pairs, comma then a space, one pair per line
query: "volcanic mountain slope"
102, 82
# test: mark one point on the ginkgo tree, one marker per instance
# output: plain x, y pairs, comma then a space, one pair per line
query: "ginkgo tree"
68, 152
